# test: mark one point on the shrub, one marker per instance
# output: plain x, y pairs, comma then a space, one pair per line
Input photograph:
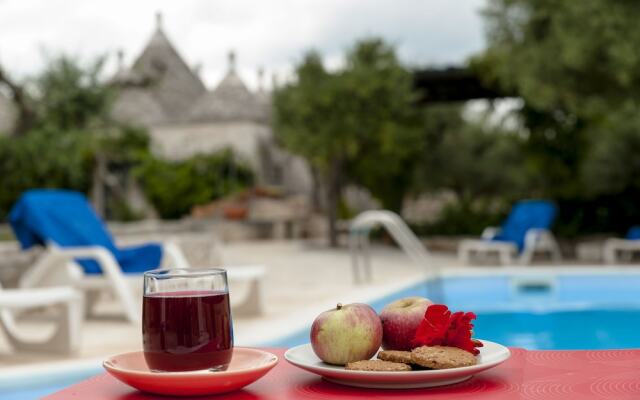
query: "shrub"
174, 187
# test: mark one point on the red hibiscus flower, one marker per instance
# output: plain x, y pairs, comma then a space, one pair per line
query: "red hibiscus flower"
442, 328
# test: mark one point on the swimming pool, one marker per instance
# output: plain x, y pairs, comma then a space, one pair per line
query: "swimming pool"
537, 310
547, 309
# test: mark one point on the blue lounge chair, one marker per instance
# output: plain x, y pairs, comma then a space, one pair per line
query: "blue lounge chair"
526, 231
80, 248
617, 250
633, 233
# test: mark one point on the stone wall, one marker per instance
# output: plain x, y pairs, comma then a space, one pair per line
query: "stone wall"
248, 140
177, 142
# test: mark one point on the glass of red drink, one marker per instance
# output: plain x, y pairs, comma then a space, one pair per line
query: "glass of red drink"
186, 320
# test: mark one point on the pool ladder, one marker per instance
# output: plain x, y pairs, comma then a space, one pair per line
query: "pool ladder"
359, 244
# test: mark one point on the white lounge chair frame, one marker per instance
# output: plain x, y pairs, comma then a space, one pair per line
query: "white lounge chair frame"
615, 250
251, 303
536, 241
57, 267
68, 304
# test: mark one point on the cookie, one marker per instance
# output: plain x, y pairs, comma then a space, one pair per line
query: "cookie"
396, 356
442, 357
377, 365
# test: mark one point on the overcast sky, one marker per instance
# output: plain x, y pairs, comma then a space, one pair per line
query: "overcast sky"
269, 33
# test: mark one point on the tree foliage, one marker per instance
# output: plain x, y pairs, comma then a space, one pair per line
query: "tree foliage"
579, 56
70, 115
357, 124
43, 159
613, 164
577, 68
473, 159
379, 105
70, 95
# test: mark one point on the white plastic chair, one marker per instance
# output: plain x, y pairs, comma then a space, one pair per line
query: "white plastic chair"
617, 250
536, 241
66, 301
527, 226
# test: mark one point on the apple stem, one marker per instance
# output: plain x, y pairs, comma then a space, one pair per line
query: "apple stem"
339, 306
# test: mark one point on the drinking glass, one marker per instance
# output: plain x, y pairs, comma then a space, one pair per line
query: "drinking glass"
186, 320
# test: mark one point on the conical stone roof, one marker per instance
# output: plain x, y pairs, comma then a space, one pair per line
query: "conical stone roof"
136, 105
231, 100
171, 82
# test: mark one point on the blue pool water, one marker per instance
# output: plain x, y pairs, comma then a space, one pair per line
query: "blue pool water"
534, 311
537, 311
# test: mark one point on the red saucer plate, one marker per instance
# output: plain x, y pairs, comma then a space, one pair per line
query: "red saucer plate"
247, 366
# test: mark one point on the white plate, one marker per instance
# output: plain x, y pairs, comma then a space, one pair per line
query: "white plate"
303, 356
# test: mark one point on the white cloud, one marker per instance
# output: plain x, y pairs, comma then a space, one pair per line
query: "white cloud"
273, 34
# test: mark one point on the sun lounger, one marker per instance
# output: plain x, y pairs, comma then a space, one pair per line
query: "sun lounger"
66, 301
525, 233
616, 250
80, 251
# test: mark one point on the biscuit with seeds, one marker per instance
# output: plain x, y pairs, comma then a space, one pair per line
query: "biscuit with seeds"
442, 357
377, 365
396, 356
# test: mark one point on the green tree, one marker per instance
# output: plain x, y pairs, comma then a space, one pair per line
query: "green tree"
62, 129
71, 95
44, 159
300, 112
67, 95
576, 66
611, 174
477, 161
354, 125
576, 56
613, 165
379, 107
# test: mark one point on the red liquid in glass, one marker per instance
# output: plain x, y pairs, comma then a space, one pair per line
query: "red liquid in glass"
186, 331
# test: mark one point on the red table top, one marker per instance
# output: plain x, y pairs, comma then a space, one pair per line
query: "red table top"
548, 375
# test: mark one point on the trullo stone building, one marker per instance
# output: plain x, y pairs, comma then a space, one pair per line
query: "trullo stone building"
161, 92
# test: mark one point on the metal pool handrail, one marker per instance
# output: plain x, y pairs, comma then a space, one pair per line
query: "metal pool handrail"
359, 232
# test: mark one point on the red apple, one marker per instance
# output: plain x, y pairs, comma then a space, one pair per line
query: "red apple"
348, 333
400, 320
